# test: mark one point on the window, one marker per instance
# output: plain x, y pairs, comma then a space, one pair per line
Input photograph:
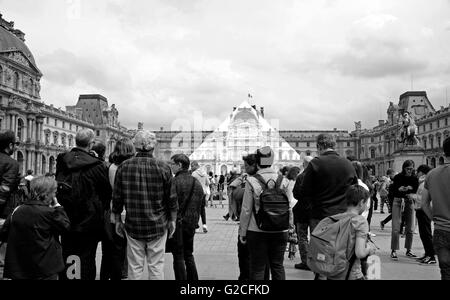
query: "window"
70, 127
16, 81
348, 144
372, 139
446, 121
48, 120
424, 128
439, 141
308, 144
431, 126
425, 143
372, 153
98, 132
55, 139
64, 125
308, 153
56, 122
438, 123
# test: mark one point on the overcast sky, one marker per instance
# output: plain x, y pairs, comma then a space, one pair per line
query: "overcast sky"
313, 64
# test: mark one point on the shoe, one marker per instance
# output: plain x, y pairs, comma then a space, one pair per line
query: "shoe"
422, 258
428, 261
410, 254
382, 225
226, 217
382, 212
302, 266
205, 229
394, 255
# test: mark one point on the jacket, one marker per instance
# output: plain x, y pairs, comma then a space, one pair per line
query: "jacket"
253, 190
202, 177
302, 209
91, 190
181, 188
403, 180
325, 183
34, 251
9, 181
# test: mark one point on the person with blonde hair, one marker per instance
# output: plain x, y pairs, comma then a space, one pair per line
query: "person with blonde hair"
34, 251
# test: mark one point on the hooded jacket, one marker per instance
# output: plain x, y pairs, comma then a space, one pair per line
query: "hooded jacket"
202, 177
90, 193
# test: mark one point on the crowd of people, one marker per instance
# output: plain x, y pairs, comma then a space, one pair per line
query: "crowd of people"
140, 208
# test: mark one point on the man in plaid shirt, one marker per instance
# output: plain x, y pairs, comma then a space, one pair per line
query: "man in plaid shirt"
142, 185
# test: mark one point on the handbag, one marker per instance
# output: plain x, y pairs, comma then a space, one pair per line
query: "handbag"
177, 239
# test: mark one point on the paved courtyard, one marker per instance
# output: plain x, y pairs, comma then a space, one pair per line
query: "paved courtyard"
216, 253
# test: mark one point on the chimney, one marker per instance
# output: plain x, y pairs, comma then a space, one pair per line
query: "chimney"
140, 126
254, 107
380, 122
262, 111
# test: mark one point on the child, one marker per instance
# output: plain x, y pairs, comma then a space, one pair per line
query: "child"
33, 250
356, 198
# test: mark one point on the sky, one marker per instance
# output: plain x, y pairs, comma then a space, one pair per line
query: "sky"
313, 64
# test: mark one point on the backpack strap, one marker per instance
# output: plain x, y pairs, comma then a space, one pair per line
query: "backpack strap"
352, 262
279, 181
261, 180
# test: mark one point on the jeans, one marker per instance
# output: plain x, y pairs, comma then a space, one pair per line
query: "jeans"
244, 261
396, 221
113, 257
183, 258
267, 249
203, 212
369, 216
84, 246
441, 242
302, 232
154, 251
425, 232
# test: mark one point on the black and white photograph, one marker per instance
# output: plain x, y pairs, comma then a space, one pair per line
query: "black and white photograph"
218, 141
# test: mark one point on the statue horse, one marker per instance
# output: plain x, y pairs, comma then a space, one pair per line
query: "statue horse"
408, 132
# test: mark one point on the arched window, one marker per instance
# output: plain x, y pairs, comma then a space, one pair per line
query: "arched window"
1, 75
372, 153
44, 165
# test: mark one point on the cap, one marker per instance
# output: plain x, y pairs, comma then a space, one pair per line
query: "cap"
265, 156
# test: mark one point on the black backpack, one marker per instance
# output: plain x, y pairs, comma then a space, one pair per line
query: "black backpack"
273, 213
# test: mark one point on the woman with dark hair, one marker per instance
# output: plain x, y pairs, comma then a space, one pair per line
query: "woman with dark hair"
424, 221
113, 246
404, 185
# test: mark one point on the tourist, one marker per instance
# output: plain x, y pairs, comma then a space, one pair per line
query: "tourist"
404, 184
424, 222
436, 192
142, 185
32, 231
9, 179
264, 247
114, 265
301, 211
202, 177
389, 198
189, 194
232, 206
85, 193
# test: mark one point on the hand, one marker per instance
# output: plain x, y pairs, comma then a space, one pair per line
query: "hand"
243, 240
403, 189
120, 229
172, 226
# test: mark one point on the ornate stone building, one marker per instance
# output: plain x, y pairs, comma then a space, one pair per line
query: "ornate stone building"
377, 145
43, 130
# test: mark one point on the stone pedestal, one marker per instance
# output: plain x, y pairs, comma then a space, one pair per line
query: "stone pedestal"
416, 154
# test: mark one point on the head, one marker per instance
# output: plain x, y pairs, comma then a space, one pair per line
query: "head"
8, 142
284, 170
211, 174
390, 173
293, 173
123, 150
85, 139
43, 189
100, 149
325, 141
250, 164
423, 170
351, 158
408, 168
30, 172
358, 169
356, 197
144, 141
194, 166
446, 146
264, 157
306, 161
179, 162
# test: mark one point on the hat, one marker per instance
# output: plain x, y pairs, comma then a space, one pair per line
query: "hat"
265, 156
